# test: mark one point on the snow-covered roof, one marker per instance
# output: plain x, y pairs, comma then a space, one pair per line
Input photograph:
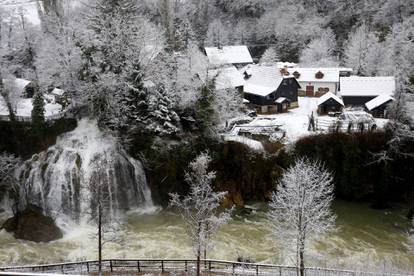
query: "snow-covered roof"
281, 100
19, 84
367, 86
282, 64
58, 92
228, 77
330, 74
328, 96
375, 102
228, 55
264, 80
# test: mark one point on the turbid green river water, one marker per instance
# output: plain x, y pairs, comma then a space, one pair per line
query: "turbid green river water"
366, 239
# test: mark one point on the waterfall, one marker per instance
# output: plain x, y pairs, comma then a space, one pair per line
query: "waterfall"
65, 179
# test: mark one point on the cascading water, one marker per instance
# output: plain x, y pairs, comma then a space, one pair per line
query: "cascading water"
66, 179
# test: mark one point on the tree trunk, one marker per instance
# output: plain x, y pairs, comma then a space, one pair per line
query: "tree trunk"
99, 236
302, 264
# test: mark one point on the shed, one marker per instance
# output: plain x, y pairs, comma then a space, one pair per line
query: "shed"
377, 107
329, 102
282, 104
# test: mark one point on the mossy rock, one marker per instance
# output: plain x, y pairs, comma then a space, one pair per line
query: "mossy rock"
32, 225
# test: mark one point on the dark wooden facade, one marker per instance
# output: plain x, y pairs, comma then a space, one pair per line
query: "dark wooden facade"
380, 111
356, 100
288, 89
329, 106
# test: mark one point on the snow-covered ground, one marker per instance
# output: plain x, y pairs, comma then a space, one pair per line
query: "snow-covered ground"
25, 106
294, 122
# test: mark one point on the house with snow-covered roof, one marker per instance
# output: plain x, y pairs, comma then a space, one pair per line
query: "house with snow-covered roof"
227, 55
378, 106
317, 81
329, 102
227, 78
21, 87
357, 91
265, 87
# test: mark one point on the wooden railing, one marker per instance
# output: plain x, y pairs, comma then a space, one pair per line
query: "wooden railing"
182, 265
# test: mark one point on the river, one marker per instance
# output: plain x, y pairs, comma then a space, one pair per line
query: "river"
366, 239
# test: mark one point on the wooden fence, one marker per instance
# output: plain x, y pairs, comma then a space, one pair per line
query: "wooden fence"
217, 267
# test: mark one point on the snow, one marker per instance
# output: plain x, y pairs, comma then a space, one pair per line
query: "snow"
253, 144
328, 96
367, 86
19, 84
293, 123
264, 80
281, 100
29, 9
24, 108
226, 78
58, 92
381, 99
228, 55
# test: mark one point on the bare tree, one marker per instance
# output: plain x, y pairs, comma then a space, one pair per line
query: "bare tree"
199, 207
106, 223
301, 206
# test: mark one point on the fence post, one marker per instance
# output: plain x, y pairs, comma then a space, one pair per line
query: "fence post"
63, 270
257, 270
209, 266
162, 266
110, 265
87, 267
138, 267
234, 266
185, 265
280, 271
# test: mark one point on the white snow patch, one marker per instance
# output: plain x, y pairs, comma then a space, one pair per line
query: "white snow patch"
253, 144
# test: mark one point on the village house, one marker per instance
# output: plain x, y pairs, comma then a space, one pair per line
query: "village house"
330, 103
268, 91
24, 88
227, 78
228, 55
358, 91
315, 82
60, 96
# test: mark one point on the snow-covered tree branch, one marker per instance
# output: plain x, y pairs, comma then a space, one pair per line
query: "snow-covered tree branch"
199, 208
301, 207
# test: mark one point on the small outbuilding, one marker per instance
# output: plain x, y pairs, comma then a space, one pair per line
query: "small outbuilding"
282, 104
329, 102
378, 107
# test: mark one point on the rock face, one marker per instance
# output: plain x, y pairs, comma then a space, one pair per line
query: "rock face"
32, 225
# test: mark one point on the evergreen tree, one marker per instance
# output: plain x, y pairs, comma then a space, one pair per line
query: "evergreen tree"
38, 111
205, 111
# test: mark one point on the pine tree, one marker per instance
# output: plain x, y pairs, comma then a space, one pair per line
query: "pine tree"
205, 111
38, 111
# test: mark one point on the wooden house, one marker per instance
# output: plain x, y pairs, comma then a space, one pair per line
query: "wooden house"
357, 91
329, 103
266, 85
378, 107
24, 88
315, 82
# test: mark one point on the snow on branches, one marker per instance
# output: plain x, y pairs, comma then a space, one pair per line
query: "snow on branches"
199, 207
301, 206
